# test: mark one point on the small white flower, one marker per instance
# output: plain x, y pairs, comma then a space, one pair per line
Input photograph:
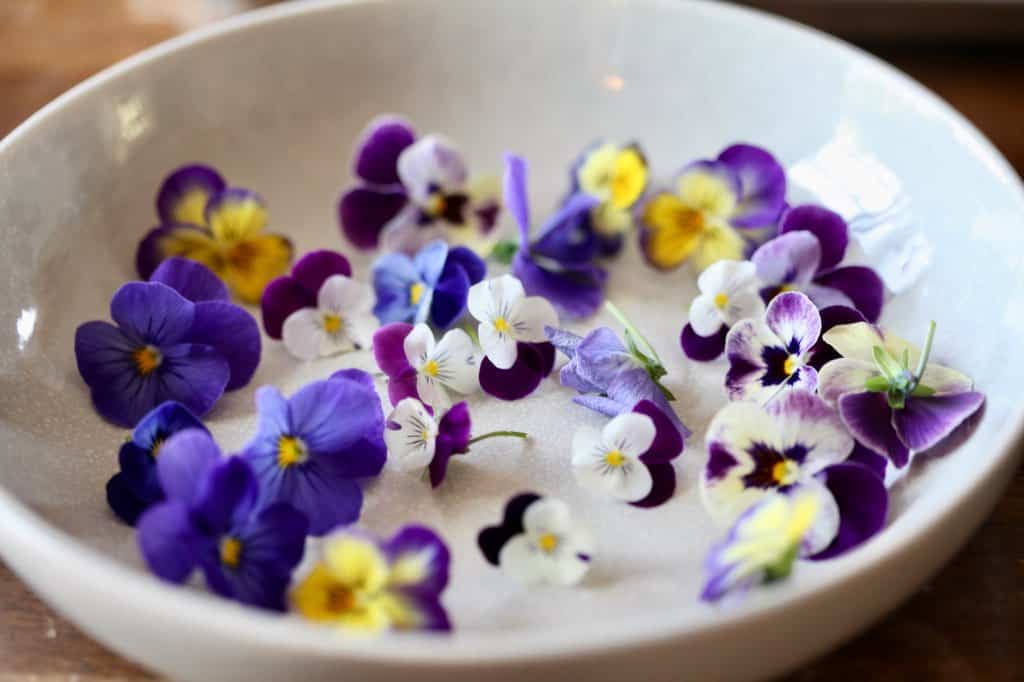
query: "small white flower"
607, 461
728, 294
411, 436
507, 316
342, 321
551, 548
442, 367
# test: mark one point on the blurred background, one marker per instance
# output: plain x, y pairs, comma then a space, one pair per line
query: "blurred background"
965, 625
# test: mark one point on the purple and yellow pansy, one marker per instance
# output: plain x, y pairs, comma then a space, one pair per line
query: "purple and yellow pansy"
616, 176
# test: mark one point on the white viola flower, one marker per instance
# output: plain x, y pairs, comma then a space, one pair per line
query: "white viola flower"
507, 316
442, 367
608, 460
410, 434
343, 320
729, 292
551, 549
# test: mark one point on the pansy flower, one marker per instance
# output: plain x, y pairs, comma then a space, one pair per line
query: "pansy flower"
176, 337
411, 191
890, 397
794, 443
729, 292
211, 520
223, 228
431, 371
431, 286
290, 293
617, 176
806, 257
553, 266
136, 487
630, 458
762, 546
538, 541
365, 586
418, 441
310, 449
713, 209
767, 355
512, 337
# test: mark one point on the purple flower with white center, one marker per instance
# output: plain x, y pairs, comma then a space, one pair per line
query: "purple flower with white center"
310, 449
806, 257
728, 293
769, 355
630, 458
176, 337
538, 541
512, 337
794, 443
416, 440
411, 191
136, 487
430, 287
293, 292
890, 397
548, 266
210, 519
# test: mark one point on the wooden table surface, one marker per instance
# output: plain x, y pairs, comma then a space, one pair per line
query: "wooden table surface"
967, 624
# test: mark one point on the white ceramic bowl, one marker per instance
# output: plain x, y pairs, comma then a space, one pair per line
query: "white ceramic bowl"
275, 100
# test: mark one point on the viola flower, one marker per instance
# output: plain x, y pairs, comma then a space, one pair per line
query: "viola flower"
806, 257
538, 541
890, 408
365, 586
416, 366
223, 228
794, 443
417, 440
769, 355
310, 449
762, 546
430, 287
728, 293
630, 459
164, 346
714, 209
412, 191
136, 487
342, 321
512, 337
290, 293
553, 266
617, 176
210, 520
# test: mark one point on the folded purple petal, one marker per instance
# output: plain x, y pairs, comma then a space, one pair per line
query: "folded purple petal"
791, 259
869, 418
863, 504
363, 212
861, 284
185, 460
923, 422
702, 348
828, 226
668, 441
191, 279
663, 485
389, 348
151, 312
233, 332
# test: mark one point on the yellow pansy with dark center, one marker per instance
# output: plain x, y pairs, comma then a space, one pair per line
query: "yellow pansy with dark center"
290, 451
614, 458
416, 291
230, 552
332, 323
147, 359
548, 542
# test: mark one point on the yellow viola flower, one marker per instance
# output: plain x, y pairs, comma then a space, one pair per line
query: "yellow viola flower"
617, 176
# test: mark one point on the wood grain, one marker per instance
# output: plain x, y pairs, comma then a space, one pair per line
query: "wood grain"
965, 625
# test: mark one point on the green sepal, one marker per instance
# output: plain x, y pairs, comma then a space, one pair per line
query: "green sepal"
877, 384
896, 398
887, 364
504, 251
783, 567
922, 391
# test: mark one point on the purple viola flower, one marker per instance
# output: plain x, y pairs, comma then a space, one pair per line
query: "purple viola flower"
136, 487
772, 354
210, 520
290, 293
430, 287
890, 397
411, 191
794, 443
310, 449
167, 346
548, 267
806, 257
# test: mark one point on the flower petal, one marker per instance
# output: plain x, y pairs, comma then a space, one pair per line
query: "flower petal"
809, 430
827, 226
855, 341
233, 332
632, 433
528, 318
166, 538
792, 258
332, 416
516, 198
227, 496
313, 269
282, 297
843, 376
825, 527
344, 296
831, 316
176, 239
705, 316
863, 503
923, 422
123, 499
489, 299
183, 195
493, 538
327, 498
457, 358
703, 348
668, 441
394, 275
419, 561
449, 301
534, 361
261, 259
629, 482
363, 213
500, 349
389, 348
411, 436
869, 418
663, 485
430, 163
763, 183
303, 334
861, 284
429, 262
795, 320
185, 460
152, 312
577, 290
379, 146
191, 279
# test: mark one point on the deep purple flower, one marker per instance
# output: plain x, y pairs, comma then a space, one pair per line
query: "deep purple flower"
299, 290
165, 346
136, 487
310, 448
806, 257
210, 520
430, 287
547, 267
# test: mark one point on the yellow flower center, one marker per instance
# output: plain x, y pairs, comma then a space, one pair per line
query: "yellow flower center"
290, 450
230, 552
790, 366
332, 323
785, 472
155, 449
416, 293
339, 599
147, 359
548, 542
430, 368
425, 435
502, 325
721, 300
788, 287
615, 458
436, 204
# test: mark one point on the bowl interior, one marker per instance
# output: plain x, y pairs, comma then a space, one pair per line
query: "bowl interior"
276, 107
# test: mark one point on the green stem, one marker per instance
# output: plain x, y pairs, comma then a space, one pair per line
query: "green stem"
922, 362
624, 321
497, 434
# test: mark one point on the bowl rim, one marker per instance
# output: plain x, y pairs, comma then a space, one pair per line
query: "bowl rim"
227, 620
